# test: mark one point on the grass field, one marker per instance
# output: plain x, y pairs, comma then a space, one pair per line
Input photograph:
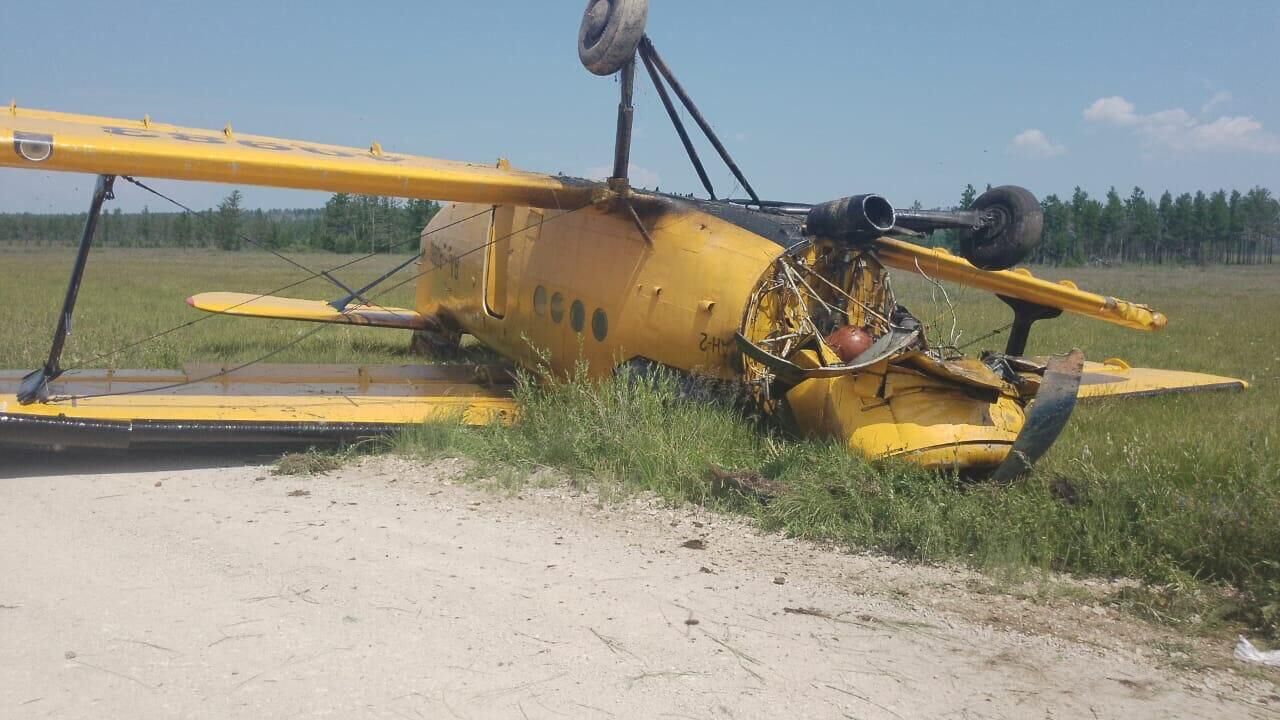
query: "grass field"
1181, 492
132, 294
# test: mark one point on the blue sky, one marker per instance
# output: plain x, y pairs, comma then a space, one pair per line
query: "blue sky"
816, 100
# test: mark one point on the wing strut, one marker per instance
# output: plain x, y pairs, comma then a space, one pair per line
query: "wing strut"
653, 61
35, 386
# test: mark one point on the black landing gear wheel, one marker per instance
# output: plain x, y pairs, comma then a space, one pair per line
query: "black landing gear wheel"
1013, 222
610, 32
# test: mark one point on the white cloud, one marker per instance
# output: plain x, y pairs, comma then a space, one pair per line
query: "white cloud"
1114, 109
1219, 98
1178, 130
1035, 144
640, 177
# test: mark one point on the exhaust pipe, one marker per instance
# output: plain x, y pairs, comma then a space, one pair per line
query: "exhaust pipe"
857, 218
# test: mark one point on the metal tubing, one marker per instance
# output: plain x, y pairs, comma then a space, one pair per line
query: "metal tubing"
622, 144
930, 220
35, 387
689, 149
646, 47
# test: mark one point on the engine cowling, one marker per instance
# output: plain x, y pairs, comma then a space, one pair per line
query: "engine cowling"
855, 218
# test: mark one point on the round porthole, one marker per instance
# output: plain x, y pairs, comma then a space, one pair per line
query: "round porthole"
577, 315
540, 300
557, 307
599, 325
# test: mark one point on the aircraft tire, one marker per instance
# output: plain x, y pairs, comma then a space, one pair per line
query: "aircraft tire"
1015, 234
609, 34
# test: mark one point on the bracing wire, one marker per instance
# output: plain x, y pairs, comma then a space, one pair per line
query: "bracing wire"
317, 329
311, 276
251, 241
980, 338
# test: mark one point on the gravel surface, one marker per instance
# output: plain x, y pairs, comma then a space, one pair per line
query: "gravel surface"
195, 587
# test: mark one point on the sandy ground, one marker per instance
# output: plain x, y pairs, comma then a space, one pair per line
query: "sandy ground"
387, 591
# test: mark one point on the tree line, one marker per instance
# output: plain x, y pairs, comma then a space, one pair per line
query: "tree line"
1199, 228
1217, 227
346, 224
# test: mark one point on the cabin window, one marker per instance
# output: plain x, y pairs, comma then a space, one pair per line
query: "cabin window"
577, 316
540, 300
557, 307
599, 325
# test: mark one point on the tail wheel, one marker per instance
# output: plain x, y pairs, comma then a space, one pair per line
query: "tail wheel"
1011, 229
610, 32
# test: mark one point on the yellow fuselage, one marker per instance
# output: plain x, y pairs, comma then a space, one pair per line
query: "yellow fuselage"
543, 286
587, 284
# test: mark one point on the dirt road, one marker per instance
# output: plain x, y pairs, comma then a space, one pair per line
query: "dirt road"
385, 591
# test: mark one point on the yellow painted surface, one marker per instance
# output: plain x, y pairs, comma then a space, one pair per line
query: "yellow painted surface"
1116, 379
271, 393
543, 270
44, 140
268, 306
1018, 283
890, 411
677, 302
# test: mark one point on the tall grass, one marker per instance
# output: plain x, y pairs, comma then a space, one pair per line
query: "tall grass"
640, 430
1201, 526
128, 295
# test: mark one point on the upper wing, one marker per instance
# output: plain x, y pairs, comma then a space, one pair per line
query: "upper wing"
43, 140
269, 306
942, 265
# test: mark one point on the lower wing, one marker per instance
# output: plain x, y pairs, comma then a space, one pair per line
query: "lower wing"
1114, 378
278, 308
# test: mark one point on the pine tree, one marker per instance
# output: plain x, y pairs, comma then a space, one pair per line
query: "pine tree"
1164, 213
1144, 225
1218, 226
1055, 244
339, 230
1236, 225
1111, 223
226, 226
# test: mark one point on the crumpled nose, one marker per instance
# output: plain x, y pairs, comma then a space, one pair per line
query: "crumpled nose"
890, 411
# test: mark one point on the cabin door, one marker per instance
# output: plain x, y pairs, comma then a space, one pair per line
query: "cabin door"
512, 232
497, 266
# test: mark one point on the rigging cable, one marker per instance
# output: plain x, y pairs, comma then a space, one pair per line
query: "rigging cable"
241, 236
980, 338
311, 276
309, 333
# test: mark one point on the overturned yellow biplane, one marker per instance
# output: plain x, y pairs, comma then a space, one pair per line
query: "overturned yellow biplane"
791, 301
